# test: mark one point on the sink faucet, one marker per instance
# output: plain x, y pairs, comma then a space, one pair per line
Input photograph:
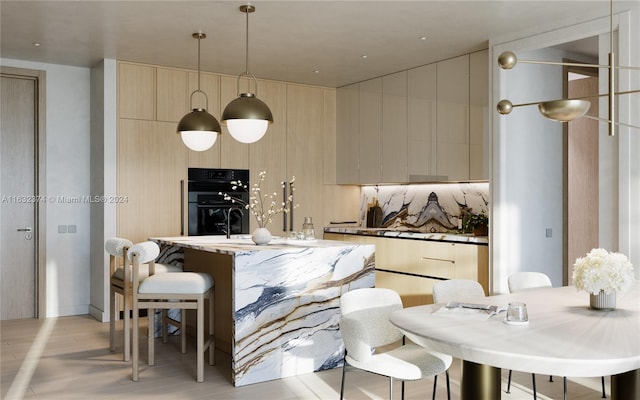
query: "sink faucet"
229, 219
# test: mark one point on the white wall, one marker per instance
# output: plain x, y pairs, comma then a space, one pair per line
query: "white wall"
526, 174
67, 174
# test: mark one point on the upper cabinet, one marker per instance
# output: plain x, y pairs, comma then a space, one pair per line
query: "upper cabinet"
425, 124
453, 119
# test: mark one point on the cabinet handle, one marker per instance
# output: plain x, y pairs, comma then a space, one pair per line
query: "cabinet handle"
182, 207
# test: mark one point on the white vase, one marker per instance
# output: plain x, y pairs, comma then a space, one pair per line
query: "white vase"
261, 236
603, 301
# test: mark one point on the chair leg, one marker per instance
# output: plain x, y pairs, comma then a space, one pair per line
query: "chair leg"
509, 382
391, 388
564, 384
344, 371
604, 394
533, 382
446, 374
435, 385
163, 325
151, 335
402, 390
200, 338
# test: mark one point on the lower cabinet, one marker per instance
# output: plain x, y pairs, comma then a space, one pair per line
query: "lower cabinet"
412, 267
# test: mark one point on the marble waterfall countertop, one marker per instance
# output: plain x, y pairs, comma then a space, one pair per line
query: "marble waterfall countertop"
391, 233
278, 305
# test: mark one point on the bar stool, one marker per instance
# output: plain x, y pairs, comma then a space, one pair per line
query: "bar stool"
183, 290
119, 267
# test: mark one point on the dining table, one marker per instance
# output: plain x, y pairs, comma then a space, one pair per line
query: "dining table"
563, 336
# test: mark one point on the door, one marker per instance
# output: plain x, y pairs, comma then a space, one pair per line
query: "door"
18, 139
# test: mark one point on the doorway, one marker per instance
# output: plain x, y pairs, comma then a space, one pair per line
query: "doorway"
581, 176
22, 259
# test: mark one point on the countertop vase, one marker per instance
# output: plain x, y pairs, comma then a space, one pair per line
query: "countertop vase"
602, 301
261, 236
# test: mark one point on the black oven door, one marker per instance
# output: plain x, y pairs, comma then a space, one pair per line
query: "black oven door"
210, 214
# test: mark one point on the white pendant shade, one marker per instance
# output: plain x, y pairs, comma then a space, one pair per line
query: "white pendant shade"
247, 130
199, 140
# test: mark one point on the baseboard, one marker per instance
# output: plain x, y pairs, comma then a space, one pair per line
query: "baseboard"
97, 313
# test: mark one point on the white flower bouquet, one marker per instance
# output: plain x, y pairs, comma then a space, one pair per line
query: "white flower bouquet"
261, 204
601, 270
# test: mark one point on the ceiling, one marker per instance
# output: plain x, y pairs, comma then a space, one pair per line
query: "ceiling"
312, 42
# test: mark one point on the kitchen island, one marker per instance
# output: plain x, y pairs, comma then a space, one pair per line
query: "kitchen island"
276, 306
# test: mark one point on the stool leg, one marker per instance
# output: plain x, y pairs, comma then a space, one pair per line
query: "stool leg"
183, 330
212, 343
200, 338
112, 320
127, 327
163, 323
151, 335
136, 350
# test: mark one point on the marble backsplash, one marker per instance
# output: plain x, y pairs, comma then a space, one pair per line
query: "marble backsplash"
425, 207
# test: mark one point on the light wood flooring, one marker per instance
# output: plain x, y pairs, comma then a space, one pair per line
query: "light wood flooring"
68, 358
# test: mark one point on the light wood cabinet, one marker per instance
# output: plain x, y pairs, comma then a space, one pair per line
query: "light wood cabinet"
422, 110
478, 115
172, 101
394, 127
453, 118
370, 149
136, 91
151, 163
412, 267
348, 134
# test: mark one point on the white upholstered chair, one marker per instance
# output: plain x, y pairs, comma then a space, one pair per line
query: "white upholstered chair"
182, 290
521, 281
457, 290
364, 326
119, 267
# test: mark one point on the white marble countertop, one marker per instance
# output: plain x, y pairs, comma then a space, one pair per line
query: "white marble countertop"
564, 336
391, 233
243, 243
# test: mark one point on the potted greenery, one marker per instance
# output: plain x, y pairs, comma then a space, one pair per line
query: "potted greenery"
477, 223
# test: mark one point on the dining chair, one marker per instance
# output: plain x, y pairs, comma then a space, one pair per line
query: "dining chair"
365, 326
119, 267
457, 290
526, 280
181, 290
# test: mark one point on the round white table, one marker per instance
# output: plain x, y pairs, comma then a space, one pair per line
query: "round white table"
564, 337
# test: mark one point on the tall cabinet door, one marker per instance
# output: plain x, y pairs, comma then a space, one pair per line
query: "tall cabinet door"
422, 112
151, 163
348, 134
394, 127
371, 131
453, 118
478, 114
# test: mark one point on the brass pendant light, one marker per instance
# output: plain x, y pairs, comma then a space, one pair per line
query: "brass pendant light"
199, 129
247, 118
565, 110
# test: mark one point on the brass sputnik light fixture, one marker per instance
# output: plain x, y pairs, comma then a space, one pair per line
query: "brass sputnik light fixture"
565, 110
247, 118
199, 129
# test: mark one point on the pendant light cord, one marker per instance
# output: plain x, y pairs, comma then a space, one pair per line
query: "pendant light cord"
246, 47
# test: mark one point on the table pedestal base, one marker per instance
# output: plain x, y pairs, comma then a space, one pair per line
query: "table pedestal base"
479, 382
626, 385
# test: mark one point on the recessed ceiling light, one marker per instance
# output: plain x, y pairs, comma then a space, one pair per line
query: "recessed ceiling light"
316, 71
364, 56
423, 38
36, 44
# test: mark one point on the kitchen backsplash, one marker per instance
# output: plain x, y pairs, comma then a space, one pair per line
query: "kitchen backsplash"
425, 207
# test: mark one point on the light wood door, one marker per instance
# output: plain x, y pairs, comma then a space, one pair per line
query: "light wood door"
453, 118
422, 111
18, 183
371, 131
394, 127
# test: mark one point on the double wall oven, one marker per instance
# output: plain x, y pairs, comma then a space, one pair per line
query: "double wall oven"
208, 212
